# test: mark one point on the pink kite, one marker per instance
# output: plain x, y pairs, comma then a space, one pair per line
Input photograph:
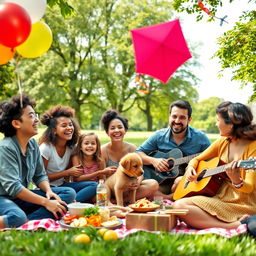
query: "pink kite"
160, 49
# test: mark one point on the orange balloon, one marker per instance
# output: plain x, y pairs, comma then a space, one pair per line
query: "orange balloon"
5, 54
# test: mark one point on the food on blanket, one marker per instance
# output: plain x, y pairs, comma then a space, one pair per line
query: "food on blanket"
102, 231
144, 203
78, 208
79, 223
119, 211
104, 213
113, 221
110, 235
70, 218
82, 238
88, 212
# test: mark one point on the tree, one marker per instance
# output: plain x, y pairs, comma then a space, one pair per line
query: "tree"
204, 114
237, 46
91, 62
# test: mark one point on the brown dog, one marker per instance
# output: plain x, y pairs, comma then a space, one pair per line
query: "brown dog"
129, 169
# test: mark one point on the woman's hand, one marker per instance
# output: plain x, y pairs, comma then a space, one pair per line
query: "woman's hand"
109, 170
233, 172
75, 171
191, 174
161, 164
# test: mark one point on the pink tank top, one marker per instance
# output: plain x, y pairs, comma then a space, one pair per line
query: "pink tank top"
91, 169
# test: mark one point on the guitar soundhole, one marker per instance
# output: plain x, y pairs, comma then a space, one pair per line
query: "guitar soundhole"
201, 175
170, 164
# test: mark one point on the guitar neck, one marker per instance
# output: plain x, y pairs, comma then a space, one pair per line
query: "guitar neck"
184, 159
217, 170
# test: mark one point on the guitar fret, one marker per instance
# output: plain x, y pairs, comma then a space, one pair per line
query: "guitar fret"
214, 171
184, 159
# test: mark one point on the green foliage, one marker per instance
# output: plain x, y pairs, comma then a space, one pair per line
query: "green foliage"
65, 9
45, 243
204, 115
88, 212
237, 46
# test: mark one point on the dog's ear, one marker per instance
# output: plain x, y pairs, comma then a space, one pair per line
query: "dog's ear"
126, 163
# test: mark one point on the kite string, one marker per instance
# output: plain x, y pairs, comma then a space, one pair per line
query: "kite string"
16, 72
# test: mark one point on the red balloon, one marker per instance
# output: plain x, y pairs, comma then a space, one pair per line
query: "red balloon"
15, 24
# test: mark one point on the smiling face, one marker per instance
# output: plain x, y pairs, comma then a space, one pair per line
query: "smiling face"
89, 145
179, 120
116, 130
64, 129
225, 129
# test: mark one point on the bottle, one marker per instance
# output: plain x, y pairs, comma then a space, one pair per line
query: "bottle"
101, 194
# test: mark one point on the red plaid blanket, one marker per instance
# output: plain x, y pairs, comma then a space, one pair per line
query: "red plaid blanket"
181, 228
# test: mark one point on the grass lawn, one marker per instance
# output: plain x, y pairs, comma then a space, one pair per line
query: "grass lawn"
141, 243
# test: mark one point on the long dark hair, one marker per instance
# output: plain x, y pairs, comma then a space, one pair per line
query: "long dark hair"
79, 152
13, 110
50, 119
241, 117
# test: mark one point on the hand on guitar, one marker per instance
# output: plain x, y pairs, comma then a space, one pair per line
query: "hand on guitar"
161, 164
191, 174
233, 172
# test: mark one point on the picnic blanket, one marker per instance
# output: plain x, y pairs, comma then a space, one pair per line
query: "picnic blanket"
181, 228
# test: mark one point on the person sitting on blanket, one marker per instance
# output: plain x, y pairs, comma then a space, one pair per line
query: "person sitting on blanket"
179, 135
116, 127
57, 145
21, 163
236, 196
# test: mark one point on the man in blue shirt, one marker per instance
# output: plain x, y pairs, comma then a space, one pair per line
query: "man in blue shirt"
21, 163
179, 136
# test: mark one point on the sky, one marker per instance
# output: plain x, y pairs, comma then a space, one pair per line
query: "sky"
207, 33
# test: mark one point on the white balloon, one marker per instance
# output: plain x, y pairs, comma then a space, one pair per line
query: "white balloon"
35, 8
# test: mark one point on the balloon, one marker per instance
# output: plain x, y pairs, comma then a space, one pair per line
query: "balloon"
5, 54
38, 42
35, 8
15, 24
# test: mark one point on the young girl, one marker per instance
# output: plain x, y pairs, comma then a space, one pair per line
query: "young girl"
88, 155
57, 145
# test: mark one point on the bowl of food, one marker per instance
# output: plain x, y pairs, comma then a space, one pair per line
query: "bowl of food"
78, 208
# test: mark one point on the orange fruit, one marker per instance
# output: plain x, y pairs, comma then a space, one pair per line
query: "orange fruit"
102, 231
110, 235
82, 238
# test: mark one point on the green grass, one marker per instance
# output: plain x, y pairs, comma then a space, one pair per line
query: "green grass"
140, 243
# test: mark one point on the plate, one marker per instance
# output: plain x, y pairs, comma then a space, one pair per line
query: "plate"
149, 209
64, 225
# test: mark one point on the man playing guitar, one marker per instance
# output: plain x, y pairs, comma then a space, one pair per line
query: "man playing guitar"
179, 135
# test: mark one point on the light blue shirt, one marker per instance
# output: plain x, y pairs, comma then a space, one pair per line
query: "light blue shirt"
17, 170
194, 142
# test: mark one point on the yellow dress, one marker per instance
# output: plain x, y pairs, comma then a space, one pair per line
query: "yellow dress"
230, 203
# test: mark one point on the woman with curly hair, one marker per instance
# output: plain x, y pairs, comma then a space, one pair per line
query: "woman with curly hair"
116, 127
20, 164
57, 145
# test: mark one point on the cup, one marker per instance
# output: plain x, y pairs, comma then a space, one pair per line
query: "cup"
159, 200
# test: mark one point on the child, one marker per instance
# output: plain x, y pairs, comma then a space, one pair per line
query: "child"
88, 155
57, 146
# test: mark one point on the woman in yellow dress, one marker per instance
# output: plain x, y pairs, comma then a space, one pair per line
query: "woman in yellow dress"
236, 196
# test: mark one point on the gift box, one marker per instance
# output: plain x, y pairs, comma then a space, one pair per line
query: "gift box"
150, 221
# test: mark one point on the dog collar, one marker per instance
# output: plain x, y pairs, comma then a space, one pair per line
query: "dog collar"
129, 175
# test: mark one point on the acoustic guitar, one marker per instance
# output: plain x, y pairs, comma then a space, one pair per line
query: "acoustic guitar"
175, 159
209, 179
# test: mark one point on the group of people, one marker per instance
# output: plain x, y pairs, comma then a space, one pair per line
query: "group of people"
67, 165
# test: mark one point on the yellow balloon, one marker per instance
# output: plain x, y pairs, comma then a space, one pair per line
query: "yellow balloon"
38, 42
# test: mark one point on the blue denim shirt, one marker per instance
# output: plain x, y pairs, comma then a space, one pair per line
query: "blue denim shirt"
194, 142
17, 170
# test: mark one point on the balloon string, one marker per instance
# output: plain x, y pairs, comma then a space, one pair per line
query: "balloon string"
18, 79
